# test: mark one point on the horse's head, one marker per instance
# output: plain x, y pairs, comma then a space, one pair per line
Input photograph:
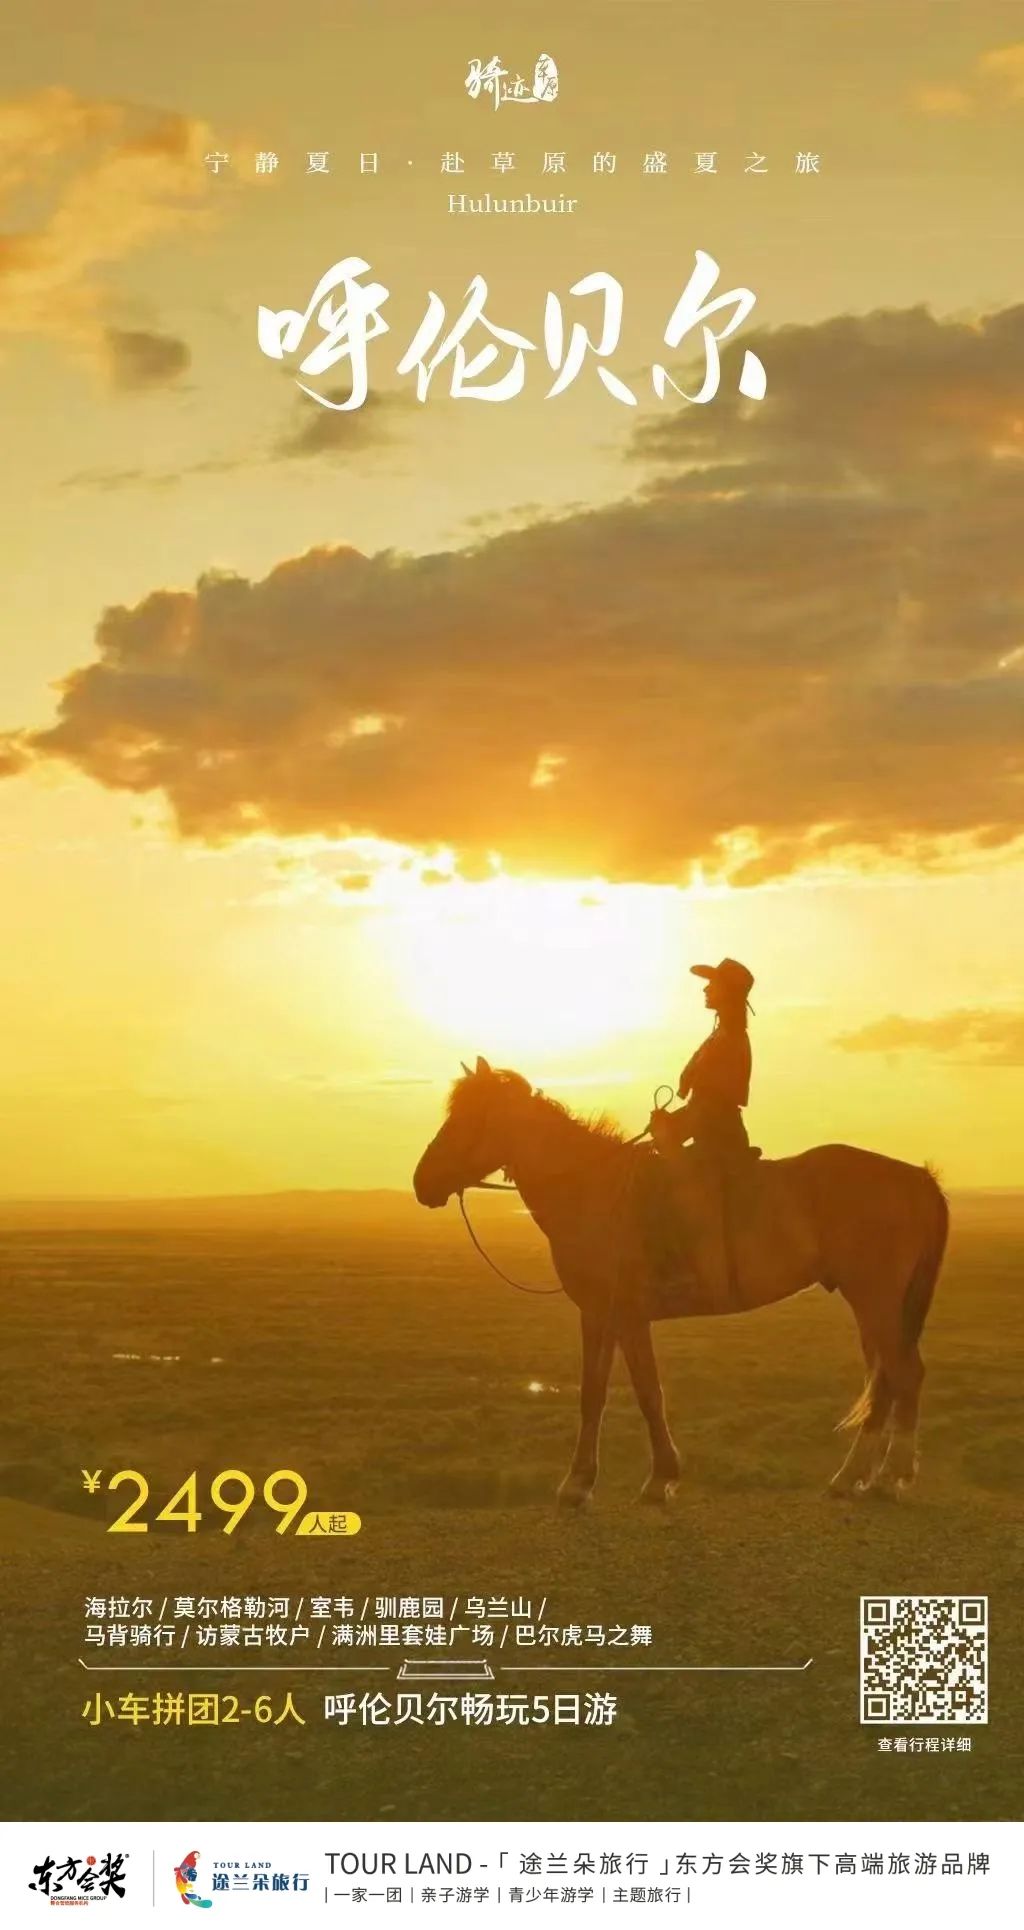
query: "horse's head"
477, 1136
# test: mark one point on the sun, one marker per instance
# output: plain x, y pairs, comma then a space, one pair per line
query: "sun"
516, 966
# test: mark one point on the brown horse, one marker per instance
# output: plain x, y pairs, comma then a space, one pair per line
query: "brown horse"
871, 1228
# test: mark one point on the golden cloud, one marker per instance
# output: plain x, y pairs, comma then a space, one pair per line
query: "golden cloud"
996, 79
980, 1036
798, 641
142, 358
112, 177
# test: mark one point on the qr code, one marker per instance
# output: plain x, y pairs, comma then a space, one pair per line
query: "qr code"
923, 1658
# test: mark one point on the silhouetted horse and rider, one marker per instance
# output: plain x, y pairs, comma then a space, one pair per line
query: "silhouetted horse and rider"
696, 1222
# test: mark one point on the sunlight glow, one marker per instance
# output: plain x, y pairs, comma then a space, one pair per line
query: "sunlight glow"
526, 965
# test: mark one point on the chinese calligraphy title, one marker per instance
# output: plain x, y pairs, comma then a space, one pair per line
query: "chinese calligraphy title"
347, 311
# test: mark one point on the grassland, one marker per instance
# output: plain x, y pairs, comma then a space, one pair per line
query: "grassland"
363, 1342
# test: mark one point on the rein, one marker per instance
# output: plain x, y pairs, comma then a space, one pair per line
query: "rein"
493, 1187
499, 1186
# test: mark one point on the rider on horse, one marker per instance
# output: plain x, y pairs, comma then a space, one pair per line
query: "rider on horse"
715, 1083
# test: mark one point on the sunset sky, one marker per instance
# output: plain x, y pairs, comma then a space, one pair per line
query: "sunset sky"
341, 746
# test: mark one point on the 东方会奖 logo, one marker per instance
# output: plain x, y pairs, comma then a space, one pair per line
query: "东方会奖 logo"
80, 1879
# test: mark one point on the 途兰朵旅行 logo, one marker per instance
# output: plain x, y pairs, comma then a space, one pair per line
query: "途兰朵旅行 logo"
185, 1875
245, 1876
80, 1879
235, 1876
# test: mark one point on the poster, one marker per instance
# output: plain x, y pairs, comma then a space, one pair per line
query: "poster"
512, 1211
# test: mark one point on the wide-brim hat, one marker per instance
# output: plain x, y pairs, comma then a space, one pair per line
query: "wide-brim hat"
729, 974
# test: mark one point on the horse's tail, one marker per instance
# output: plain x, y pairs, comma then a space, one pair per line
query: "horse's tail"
861, 1408
921, 1286
917, 1296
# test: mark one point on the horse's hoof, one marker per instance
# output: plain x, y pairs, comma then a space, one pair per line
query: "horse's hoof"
658, 1494
878, 1491
573, 1497
894, 1487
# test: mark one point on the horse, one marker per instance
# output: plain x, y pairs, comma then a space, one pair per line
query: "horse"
858, 1223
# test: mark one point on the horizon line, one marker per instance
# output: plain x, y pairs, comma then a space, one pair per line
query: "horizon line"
314, 1192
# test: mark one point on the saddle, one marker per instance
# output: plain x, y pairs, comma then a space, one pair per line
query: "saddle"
682, 1202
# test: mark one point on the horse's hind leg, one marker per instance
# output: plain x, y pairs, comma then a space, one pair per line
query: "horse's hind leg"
869, 1415
902, 1355
638, 1349
900, 1465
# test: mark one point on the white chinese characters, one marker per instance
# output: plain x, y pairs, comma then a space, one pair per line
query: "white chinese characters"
347, 327
347, 311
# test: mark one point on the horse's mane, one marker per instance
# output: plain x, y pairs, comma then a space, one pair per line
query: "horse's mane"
597, 1126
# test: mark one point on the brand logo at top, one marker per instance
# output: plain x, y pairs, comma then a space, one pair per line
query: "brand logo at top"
491, 79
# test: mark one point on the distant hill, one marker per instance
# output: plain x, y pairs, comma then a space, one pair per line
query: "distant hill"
240, 1209
311, 1210
321, 1211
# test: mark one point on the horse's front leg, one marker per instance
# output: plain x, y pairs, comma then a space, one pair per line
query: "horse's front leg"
598, 1347
638, 1348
